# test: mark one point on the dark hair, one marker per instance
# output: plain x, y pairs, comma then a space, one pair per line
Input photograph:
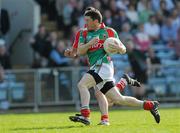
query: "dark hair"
89, 8
94, 14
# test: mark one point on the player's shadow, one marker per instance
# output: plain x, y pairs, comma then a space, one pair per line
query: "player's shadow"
45, 128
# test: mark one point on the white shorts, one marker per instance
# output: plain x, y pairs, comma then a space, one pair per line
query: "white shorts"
105, 71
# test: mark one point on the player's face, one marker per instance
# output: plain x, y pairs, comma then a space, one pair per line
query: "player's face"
90, 23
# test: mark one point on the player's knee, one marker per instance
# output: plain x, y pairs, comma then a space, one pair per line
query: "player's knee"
110, 102
98, 94
118, 100
81, 85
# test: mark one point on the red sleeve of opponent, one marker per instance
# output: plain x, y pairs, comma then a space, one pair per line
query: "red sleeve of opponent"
76, 41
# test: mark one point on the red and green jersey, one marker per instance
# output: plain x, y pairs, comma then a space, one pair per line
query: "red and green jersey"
96, 53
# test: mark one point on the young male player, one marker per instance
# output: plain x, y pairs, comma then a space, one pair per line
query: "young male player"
101, 69
102, 101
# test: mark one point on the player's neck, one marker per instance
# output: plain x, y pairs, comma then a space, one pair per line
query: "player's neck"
96, 27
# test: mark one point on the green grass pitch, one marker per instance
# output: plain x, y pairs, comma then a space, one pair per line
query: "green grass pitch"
122, 121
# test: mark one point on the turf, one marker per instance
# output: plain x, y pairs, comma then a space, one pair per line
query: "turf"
124, 121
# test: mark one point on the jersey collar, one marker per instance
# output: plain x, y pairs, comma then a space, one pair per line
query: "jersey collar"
101, 26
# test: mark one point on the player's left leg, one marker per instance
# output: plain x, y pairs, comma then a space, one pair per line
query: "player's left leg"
127, 80
103, 102
103, 105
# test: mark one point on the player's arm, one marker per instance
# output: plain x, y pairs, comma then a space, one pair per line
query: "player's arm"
72, 52
121, 47
83, 48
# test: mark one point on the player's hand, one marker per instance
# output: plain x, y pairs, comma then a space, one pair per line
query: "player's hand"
93, 41
121, 48
69, 53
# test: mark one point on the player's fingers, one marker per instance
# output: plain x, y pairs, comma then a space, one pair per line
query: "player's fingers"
66, 52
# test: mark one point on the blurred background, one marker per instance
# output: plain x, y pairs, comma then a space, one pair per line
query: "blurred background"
34, 73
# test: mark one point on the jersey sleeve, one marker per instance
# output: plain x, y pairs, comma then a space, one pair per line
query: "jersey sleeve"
112, 33
115, 34
76, 41
81, 38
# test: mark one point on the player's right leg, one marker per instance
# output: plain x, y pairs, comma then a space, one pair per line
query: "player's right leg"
152, 106
86, 82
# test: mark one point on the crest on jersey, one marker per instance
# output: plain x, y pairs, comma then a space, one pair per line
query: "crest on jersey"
104, 36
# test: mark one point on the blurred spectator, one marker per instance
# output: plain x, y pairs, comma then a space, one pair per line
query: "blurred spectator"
4, 22
107, 17
57, 58
163, 8
122, 4
159, 18
38, 43
177, 45
4, 56
39, 40
132, 14
175, 18
73, 33
152, 29
52, 12
164, 5
125, 34
1, 74
138, 64
169, 4
67, 14
105, 4
152, 56
51, 43
43, 4
169, 30
155, 5
142, 39
97, 4
77, 12
119, 19
151, 61
146, 12
141, 5
113, 7
59, 8
4, 104
178, 6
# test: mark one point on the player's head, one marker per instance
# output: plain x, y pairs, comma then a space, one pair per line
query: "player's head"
92, 19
